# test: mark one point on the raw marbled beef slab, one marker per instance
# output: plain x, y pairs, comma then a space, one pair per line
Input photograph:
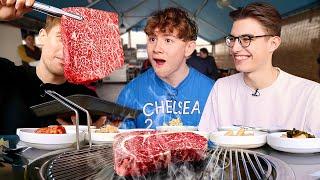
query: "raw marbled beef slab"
141, 152
92, 47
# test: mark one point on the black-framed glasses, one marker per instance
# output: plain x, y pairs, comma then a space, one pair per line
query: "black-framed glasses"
244, 40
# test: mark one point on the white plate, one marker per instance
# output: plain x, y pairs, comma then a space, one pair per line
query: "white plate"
236, 128
202, 133
101, 138
130, 130
105, 138
226, 128
293, 145
255, 141
177, 128
47, 141
81, 127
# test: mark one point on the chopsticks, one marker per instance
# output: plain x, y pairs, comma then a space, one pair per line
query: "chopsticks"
53, 11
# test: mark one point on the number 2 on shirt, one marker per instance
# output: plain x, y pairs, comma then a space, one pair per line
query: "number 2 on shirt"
148, 121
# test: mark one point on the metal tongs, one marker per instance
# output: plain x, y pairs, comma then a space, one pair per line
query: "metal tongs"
53, 11
71, 105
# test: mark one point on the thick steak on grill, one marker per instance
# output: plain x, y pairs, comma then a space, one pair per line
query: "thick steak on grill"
138, 153
92, 47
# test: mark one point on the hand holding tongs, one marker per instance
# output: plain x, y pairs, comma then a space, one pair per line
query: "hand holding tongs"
53, 11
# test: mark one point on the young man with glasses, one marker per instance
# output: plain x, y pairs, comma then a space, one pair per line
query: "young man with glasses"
261, 95
170, 91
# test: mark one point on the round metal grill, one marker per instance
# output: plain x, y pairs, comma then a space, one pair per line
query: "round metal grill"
242, 164
80, 164
221, 163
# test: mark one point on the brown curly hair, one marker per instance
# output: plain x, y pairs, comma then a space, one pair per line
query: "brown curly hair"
264, 13
171, 19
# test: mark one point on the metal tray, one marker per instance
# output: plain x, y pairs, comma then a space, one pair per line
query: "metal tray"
93, 104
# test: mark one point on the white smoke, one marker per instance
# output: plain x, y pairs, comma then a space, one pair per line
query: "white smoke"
210, 168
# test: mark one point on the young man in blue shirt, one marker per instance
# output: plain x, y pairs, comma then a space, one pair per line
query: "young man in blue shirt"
170, 90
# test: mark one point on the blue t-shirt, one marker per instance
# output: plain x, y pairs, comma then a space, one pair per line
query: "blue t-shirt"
160, 102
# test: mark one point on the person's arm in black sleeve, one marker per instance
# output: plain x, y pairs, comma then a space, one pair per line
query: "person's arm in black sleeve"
7, 70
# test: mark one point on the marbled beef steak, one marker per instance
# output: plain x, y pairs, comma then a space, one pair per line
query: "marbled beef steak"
141, 152
92, 47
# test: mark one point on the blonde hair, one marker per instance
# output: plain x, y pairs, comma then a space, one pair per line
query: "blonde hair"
51, 22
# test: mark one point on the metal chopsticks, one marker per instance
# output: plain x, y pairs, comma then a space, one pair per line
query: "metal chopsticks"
53, 11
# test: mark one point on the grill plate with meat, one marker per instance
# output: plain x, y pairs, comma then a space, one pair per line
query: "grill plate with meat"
141, 152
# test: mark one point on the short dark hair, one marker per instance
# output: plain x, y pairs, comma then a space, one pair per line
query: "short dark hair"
171, 19
204, 50
264, 13
28, 34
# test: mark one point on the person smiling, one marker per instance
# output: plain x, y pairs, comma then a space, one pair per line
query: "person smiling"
170, 90
261, 95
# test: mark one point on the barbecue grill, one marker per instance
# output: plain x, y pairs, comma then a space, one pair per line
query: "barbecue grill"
221, 163
96, 162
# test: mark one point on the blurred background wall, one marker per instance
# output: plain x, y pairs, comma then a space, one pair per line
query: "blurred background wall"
10, 38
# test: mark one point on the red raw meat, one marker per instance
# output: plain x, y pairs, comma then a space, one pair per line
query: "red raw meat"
140, 152
92, 47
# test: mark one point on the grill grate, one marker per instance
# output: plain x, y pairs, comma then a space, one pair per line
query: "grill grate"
230, 163
237, 164
80, 164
